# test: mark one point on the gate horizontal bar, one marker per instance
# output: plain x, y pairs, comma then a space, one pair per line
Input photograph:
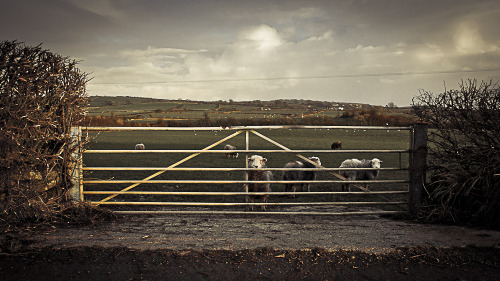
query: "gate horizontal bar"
236, 193
232, 169
94, 128
239, 181
241, 151
258, 213
200, 204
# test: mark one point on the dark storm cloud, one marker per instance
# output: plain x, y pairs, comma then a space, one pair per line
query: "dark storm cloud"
48, 21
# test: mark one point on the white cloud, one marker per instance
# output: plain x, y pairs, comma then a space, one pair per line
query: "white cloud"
469, 40
263, 39
152, 51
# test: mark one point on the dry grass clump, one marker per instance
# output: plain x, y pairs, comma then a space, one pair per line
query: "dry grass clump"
464, 153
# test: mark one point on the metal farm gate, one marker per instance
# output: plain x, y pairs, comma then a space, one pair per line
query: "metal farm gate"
331, 200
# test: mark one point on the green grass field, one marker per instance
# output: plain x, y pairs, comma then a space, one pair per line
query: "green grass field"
301, 139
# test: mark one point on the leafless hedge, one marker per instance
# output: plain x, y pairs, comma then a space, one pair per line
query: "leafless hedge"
464, 153
42, 96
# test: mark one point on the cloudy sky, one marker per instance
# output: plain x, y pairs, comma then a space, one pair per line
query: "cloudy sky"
368, 51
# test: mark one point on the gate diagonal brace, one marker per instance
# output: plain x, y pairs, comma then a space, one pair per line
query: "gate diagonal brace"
315, 164
173, 165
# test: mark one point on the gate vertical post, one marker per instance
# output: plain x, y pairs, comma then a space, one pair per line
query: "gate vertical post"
418, 166
247, 147
76, 191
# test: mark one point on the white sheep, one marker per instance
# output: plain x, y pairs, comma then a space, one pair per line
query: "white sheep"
258, 162
140, 146
359, 175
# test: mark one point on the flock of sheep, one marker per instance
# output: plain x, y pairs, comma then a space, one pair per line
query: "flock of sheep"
257, 163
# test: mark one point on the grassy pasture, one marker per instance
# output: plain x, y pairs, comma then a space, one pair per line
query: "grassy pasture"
199, 106
151, 111
128, 109
302, 139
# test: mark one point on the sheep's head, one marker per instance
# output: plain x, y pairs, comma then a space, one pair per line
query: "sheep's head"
376, 163
315, 160
256, 161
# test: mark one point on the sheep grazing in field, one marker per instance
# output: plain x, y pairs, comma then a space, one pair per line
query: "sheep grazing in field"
336, 145
140, 146
359, 175
230, 154
258, 162
300, 175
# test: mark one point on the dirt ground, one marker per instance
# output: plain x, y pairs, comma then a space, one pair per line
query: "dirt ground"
248, 247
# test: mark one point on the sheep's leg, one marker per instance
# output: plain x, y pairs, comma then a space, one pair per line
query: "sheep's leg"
252, 200
290, 187
344, 185
351, 178
305, 187
263, 200
347, 186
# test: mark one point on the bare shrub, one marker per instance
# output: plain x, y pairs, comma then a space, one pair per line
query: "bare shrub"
42, 95
464, 153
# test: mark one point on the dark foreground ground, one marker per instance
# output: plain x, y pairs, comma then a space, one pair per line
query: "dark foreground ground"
98, 263
252, 248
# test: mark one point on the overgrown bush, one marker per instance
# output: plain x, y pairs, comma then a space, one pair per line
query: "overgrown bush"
464, 153
42, 95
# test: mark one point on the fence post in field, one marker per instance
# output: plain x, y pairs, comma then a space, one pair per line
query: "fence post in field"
75, 192
418, 166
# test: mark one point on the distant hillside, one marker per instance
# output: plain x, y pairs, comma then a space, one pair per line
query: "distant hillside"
138, 111
100, 101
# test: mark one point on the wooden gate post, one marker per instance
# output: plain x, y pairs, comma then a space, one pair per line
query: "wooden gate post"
418, 166
76, 191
